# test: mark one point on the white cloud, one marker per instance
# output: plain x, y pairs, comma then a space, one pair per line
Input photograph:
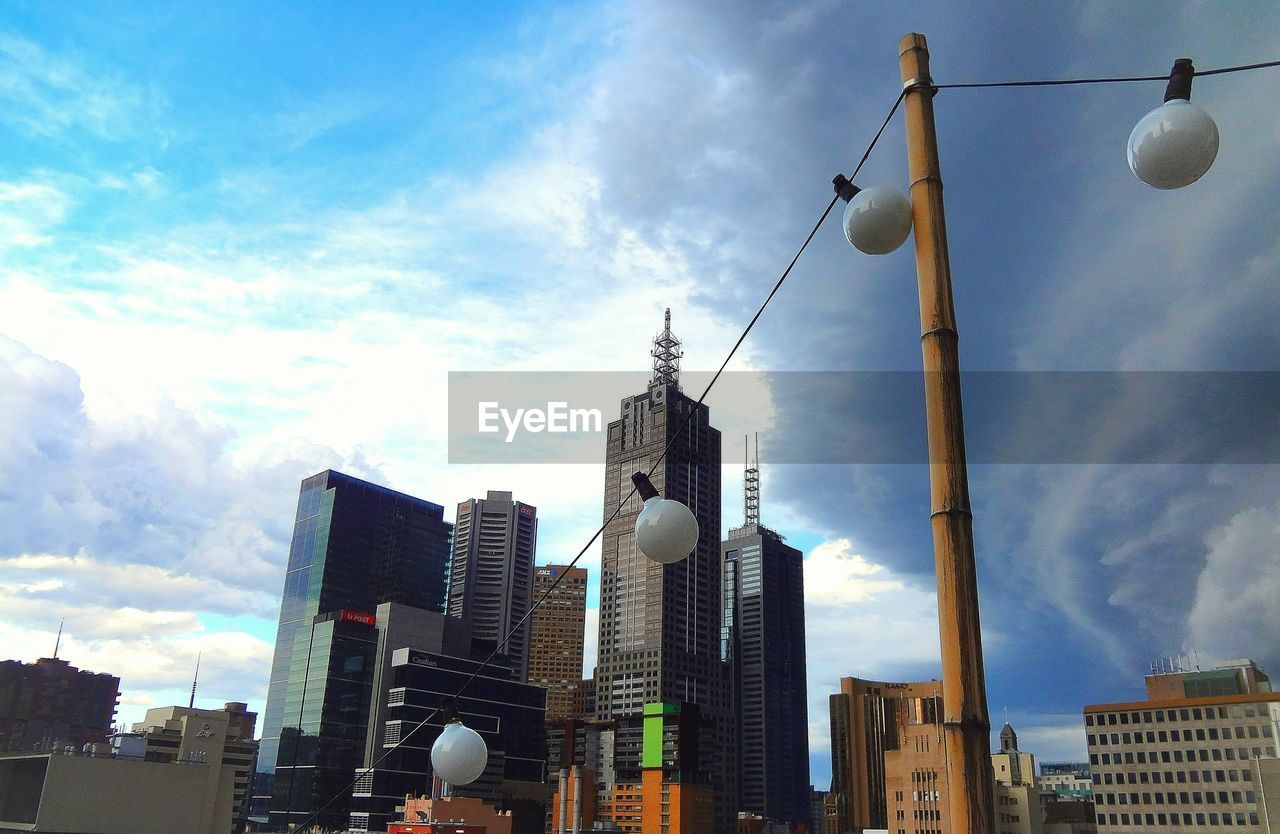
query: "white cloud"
1237, 596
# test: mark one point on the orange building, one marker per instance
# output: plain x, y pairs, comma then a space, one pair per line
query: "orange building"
915, 773
869, 720
579, 800
556, 636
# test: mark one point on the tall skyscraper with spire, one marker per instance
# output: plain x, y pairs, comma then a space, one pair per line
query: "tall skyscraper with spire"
659, 624
762, 640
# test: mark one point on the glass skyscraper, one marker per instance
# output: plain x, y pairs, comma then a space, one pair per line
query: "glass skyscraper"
355, 545
763, 640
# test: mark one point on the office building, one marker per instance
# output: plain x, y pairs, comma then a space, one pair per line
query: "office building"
867, 722
556, 635
505, 711
355, 545
182, 771
52, 703
1184, 759
584, 698
491, 575
1069, 780
916, 793
660, 624
762, 640
163, 732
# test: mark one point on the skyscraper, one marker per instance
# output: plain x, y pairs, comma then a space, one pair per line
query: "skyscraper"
555, 642
660, 624
355, 545
491, 578
762, 639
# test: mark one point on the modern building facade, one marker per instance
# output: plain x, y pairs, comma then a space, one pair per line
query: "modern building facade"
355, 545
52, 703
1186, 758
556, 635
491, 575
762, 640
505, 711
660, 624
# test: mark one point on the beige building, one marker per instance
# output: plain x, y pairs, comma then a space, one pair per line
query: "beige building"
556, 635
1184, 759
180, 772
1017, 804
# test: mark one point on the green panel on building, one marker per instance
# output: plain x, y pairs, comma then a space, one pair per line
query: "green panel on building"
654, 714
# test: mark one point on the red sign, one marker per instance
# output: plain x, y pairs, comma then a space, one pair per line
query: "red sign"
356, 617
528, 511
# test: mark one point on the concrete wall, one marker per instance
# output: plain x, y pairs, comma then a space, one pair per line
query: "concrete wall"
110, 796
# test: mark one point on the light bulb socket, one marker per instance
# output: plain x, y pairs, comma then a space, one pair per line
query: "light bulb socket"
644, 486
1180, 80
844, 188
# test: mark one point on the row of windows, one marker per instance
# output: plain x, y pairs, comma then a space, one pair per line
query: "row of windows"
1178, 819
1168, 756
1181, 798
1185, 714
1201, 733
1170, 776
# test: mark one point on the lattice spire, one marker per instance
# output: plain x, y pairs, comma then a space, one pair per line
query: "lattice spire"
751, 483
666, 355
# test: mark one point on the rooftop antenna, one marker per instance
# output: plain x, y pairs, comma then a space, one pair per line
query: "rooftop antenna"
751, 484
666, 355
192, 703
58, 643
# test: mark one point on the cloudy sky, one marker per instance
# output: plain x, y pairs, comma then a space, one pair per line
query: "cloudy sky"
239, 245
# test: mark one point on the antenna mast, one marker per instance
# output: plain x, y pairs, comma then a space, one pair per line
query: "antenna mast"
191, 704
666, 355
58, 643
751, 484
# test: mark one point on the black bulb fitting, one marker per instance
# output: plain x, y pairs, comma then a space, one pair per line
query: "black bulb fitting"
844, 188
1180, 80
644, 486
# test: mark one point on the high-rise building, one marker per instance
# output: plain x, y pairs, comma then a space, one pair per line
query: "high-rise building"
491, 576
762, 640
51, 703
1183, 758
660, 624
555, 639
355, 545
868, 721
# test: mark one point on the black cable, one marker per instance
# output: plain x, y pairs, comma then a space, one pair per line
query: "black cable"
1067, 81
364, 771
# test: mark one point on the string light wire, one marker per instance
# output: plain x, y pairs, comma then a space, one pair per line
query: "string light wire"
451, 703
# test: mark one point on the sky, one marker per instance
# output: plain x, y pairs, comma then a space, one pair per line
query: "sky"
242, 244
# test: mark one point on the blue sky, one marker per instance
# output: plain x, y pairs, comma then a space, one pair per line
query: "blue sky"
239, 245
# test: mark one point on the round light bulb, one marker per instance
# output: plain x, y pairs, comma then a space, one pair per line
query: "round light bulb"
877, 220
1173, 145
459, 754
666, 530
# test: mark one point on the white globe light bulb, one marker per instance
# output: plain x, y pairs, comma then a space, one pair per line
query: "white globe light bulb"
1173, 145
666, 530
877, 220
459, 754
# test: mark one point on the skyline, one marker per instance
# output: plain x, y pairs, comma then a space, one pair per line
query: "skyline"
242, 248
